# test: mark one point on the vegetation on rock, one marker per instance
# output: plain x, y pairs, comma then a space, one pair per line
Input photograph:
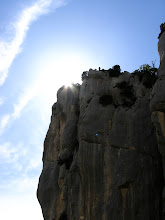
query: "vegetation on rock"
147, 75
127, 92
84, 75
115, 71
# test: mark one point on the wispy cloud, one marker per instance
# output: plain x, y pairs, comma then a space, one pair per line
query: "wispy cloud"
10, 153
6, 152
27, 95
9, 49
34, 162
4, 121
23, 101
20, 167
20, 184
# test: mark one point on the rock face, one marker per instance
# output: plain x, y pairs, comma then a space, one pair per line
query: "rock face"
104, 150
158, 105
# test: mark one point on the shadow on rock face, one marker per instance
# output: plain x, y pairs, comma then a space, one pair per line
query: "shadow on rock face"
106, 100
63, 216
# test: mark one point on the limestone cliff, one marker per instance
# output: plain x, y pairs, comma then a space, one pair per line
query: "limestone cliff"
104, 150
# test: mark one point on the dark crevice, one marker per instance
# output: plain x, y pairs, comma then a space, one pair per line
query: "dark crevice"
140, 152
67, 158
126, 185
69, 162
63, 216
63, 117
89, 142
128, 103
89, 100
106, 100
77, 113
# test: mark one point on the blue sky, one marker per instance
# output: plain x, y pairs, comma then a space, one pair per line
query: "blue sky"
43, 45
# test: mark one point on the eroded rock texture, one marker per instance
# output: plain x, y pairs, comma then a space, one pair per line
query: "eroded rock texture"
158, 105
103, 151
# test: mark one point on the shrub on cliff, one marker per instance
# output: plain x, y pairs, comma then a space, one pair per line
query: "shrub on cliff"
84, 75
147, 75
115, 71
127, 92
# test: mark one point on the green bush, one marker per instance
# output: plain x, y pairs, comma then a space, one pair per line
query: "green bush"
127, 92
147, 75
115, 71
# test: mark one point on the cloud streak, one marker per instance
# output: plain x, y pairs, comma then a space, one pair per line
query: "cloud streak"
10, 153
9, 49
23, 101
27, 95
4, 122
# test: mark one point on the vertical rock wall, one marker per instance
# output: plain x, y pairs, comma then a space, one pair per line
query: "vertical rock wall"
59, 147
103, 151
158, 105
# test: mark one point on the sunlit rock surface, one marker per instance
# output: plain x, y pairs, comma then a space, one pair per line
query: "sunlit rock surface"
104, 150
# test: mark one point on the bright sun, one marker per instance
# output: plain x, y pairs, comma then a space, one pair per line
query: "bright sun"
56, 72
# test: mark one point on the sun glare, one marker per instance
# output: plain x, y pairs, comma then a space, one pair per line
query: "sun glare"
67, 85
57, 72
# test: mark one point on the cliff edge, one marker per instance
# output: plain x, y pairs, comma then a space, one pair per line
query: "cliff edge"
104, 151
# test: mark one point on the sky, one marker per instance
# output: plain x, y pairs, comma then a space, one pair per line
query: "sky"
45, 44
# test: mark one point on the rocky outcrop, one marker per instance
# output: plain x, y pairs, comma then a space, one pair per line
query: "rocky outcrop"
158, 105
103, 151
59, 148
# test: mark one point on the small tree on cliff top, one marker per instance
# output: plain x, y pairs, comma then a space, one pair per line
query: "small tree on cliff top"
146, 68
147, 74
